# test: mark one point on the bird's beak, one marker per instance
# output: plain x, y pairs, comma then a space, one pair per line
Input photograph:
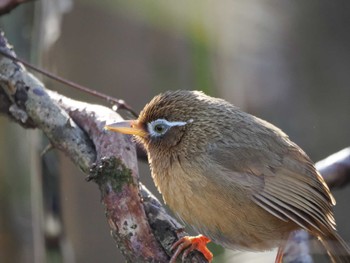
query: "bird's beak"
127, 127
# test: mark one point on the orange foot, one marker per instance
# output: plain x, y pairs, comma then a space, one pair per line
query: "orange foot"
188, 244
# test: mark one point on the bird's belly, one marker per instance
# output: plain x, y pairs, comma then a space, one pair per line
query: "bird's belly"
231, 222
221, 209
248, 235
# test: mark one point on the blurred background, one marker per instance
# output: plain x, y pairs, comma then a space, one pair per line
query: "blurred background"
285, 61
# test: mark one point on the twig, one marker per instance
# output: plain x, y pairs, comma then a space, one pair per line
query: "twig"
120, 104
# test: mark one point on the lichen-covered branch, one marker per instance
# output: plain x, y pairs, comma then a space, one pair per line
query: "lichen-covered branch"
92, 119
30, 105
140, 226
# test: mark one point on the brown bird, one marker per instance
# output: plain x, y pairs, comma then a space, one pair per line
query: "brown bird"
235, 178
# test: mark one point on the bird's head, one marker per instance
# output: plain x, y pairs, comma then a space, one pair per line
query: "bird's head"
173, 120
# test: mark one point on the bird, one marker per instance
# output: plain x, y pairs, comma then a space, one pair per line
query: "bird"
235, 178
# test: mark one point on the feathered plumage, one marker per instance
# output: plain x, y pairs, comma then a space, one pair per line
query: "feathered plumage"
234, 177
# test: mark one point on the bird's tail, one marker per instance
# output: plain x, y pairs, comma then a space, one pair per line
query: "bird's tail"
337, 249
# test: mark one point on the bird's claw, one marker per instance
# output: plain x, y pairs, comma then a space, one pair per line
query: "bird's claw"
188, 244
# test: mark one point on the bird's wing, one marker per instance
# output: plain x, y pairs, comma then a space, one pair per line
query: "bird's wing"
290, 189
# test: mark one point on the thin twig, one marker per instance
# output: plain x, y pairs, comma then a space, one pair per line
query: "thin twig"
120, 104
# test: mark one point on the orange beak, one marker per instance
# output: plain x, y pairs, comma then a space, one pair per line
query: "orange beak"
127, 127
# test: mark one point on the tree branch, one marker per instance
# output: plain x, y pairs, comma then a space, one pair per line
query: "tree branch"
140, 226
335, 169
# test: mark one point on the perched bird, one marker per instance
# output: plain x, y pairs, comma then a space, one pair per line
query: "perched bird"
235, 178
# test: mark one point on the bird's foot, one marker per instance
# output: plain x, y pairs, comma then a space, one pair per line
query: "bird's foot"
188, 244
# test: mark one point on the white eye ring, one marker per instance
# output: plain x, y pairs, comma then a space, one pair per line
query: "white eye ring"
161, 126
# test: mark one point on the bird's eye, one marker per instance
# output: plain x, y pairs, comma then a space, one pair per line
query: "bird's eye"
159, 128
